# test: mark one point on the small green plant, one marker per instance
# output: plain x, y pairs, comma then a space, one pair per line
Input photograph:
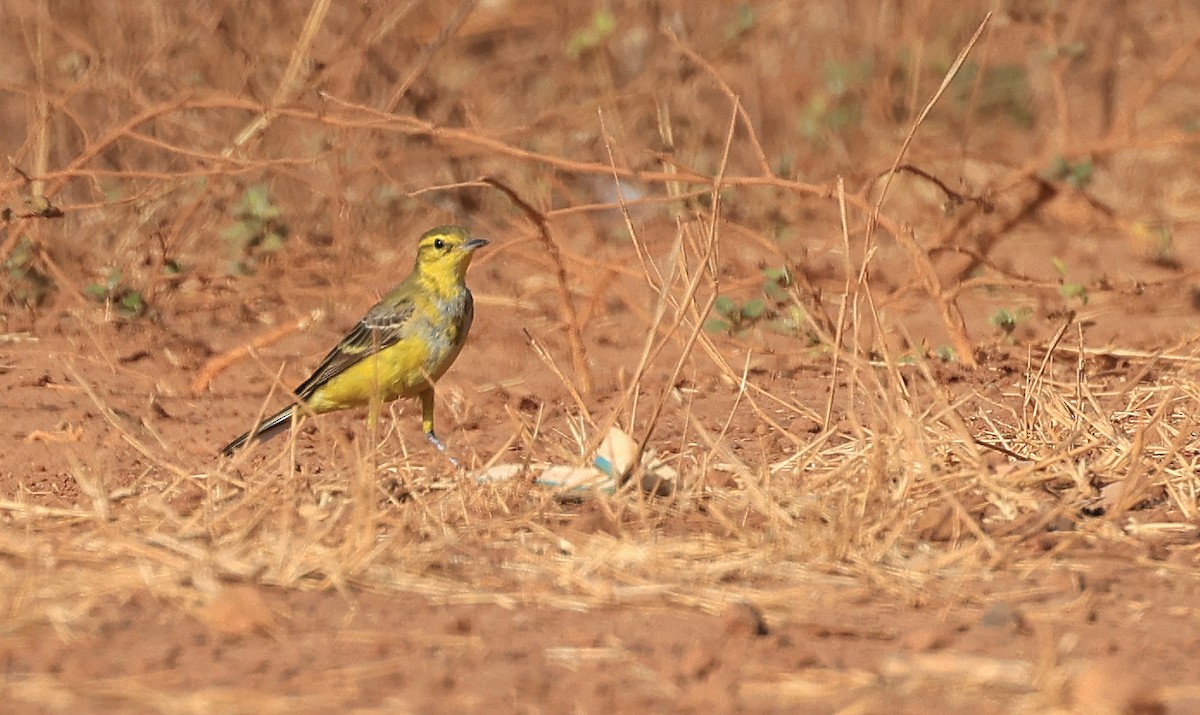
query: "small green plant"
24, 282
921, 352
1006, 321
1077, 175
1155, 241
1072, 50
742, 23
733, 318
601, 27
776, 310
946, 353
838, 105
1069, 289
257, 228
112, 291
1003, 90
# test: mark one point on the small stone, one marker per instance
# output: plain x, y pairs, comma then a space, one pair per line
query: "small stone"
744, 618
1003, 615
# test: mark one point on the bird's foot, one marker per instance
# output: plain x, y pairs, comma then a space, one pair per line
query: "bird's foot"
433, 439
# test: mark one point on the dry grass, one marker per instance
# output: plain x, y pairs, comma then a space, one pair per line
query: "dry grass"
362, 123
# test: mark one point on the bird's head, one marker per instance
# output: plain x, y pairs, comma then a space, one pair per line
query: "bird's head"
443, 253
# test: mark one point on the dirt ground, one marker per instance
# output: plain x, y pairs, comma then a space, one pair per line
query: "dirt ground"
938, 455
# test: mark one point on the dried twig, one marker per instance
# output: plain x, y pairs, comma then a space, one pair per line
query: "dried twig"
569, 314
227, 359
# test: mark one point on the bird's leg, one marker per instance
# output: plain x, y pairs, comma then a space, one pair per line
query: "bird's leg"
427, 424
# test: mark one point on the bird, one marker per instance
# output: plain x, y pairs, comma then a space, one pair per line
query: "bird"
399, 348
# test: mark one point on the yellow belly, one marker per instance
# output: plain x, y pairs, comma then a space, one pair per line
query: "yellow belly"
404, 369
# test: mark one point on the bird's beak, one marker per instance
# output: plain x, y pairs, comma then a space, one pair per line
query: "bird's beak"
475, 243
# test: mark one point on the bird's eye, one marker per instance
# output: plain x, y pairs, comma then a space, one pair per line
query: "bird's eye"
439, 244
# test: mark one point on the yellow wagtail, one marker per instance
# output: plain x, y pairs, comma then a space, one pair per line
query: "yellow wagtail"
400, 347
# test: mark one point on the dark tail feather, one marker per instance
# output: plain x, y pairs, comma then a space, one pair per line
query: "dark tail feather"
265, 430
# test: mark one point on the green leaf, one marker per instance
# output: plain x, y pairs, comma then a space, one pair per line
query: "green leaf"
716, 325
1076, 175
774, 291
272, 241
1081, 174
1058, 169
1001, 90
1004, 320
239, 234
132, 303
1074, 290
753, 309
780, 275
845, 115
840, 78
256, 203
604, 23
742, 23
725, 305
812, 115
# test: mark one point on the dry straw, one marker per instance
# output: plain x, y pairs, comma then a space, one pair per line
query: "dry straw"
904, 488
